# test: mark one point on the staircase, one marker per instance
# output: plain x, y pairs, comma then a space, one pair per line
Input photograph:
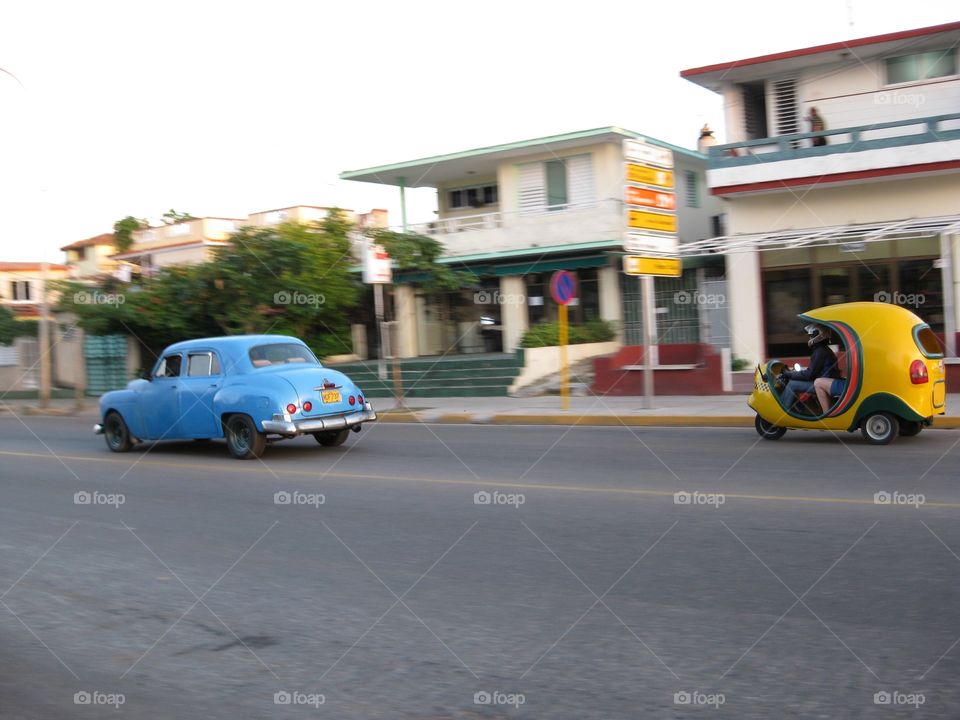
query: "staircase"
452, 376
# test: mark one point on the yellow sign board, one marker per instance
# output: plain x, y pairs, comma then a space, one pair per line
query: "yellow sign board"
639, 265
649, 175
643, 220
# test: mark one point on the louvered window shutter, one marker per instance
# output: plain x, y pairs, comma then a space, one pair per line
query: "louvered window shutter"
580, 185
532, 187
785, 106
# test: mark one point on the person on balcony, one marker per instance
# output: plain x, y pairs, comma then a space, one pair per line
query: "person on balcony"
817, 125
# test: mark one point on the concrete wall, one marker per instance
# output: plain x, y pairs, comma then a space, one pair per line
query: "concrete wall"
539, 363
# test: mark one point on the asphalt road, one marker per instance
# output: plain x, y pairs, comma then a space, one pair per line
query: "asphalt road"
584, 589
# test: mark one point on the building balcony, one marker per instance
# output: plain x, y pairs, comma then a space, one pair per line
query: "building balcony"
555, 228
927, 144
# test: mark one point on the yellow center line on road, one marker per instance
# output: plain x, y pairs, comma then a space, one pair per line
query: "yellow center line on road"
254, 469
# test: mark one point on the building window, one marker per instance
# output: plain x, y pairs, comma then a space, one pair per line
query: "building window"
921, 66
472, 197
81, 253
556, 174
691, 189
20, 289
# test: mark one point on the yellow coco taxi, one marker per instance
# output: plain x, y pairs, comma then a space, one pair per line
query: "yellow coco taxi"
893, 365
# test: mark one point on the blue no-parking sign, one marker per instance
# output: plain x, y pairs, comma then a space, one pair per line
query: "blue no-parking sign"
563, 287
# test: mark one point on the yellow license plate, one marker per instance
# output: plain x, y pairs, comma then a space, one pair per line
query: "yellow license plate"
330, 396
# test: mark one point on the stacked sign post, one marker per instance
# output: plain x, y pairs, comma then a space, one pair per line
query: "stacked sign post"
563, 288
650, 234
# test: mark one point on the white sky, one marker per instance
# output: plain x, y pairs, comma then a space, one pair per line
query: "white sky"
226, 108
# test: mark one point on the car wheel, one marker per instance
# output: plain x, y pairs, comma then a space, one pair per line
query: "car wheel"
332, 439
909, 428
879, 428
768, 431
116, 433
244, 441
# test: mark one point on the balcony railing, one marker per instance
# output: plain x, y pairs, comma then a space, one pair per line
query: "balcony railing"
914, 131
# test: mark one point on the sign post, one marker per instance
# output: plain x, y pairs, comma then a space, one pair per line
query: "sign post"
650, 228
378, 272
563, 288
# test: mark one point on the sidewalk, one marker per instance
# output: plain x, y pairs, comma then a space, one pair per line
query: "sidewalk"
668, 411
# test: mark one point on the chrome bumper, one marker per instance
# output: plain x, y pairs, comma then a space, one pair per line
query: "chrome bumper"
98, 429
281, 426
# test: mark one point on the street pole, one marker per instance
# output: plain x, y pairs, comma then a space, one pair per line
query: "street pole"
378, 311
44, 342
564, 337
649, 340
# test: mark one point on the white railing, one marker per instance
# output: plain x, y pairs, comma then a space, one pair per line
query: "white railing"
496, 220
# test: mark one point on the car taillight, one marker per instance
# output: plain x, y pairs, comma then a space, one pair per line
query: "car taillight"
291, 408
918, 372
352, 400
307, 406
360, 399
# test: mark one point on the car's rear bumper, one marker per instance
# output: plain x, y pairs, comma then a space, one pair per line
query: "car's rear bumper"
281, 426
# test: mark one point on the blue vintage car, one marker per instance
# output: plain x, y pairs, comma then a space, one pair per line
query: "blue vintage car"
246, 388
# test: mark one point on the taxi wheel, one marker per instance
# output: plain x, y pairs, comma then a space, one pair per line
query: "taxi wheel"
116, 433
244, 440
768, 431
880, 428
908, 428
332, 439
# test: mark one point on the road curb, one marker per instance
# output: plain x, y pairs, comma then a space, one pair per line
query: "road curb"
594, 420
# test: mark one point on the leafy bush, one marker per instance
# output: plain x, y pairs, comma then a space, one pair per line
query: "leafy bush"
739, 364
11, 328
547, 334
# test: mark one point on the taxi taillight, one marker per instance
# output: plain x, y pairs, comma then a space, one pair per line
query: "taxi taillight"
918, 372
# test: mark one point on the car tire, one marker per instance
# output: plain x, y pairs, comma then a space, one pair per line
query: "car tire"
768, 431
244, 440
879, 428
116, 432
332, 439
910, 428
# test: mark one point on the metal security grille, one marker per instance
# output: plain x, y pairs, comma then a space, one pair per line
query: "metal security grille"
715, 312
678, 320
632, 310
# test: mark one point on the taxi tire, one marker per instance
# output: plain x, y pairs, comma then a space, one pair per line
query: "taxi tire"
910, 428
332, 439
880, 428
116, 432
244, 440
768, 431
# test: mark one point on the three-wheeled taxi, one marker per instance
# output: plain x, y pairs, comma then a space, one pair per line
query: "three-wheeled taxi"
892, 363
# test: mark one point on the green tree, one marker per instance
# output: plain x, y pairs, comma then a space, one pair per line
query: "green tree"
419, 255
172, 217
8, 326
123, 231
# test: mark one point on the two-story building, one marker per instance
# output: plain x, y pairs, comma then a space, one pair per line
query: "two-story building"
22, 286
192, 241
510, 215
841, 181
91, 258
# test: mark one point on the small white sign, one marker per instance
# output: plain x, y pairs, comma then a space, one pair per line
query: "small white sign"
643, 243
376, 265
643, 152
536, 300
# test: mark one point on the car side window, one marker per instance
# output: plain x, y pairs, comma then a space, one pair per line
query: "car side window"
202, 364
169, 367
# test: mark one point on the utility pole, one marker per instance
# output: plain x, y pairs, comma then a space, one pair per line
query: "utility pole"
44, 342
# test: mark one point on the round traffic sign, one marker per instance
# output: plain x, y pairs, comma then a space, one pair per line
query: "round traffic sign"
563, 287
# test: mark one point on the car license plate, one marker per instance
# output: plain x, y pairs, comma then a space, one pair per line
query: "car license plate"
330, 396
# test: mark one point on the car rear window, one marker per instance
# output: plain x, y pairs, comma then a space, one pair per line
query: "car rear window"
281, 354
927, 341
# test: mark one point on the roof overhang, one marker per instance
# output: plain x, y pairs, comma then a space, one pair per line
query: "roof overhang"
856, 50
483, 162
848, 237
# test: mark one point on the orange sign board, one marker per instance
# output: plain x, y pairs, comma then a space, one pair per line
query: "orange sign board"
643, 220
639, 265
649, 198
649, 175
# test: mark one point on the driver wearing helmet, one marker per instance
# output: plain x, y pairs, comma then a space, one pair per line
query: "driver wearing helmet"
823, 363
